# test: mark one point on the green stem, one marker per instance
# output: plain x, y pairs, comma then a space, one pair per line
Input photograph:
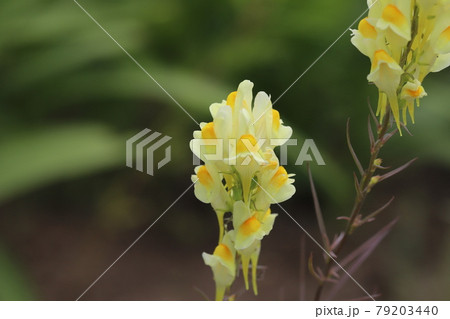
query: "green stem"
359, 199
369, 172
220, 214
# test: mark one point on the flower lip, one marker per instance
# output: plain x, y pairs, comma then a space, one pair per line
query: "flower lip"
367, 30
231, 99
393, 15
246, 143
275, 119
280, 177
250, 226
381, 56
415, 93
204, 176
208, 131
223, 252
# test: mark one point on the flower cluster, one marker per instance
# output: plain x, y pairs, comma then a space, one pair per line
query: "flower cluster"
405, 40
242, 177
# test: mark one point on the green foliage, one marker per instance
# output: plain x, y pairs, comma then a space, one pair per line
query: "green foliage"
36, 158
14, 283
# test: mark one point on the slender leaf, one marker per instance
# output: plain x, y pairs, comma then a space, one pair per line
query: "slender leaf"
359, 255
371, 137
350, 147
397, 170
319, 215
372, 216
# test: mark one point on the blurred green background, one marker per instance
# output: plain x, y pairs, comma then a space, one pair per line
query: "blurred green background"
70, 98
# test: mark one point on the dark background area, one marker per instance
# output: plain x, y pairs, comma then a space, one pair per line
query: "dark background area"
70, 98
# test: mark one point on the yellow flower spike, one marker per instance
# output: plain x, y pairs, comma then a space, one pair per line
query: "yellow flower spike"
250, 130
399, 36
367, 30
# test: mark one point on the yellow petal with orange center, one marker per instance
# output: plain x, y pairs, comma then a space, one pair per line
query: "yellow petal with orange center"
231, 99
223, 252
208, 131
250, 226
367, 30
381, 56
241, 146
393, 15
275, 119
204, 176
280, 177
415, 93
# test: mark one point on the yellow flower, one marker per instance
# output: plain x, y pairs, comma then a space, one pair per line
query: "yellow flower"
365, 37
209, 188
241, 175
250, 228
222, 263
276, 184
386, 74
246, 132
411, 92
236, 117
405, 40
393, 15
